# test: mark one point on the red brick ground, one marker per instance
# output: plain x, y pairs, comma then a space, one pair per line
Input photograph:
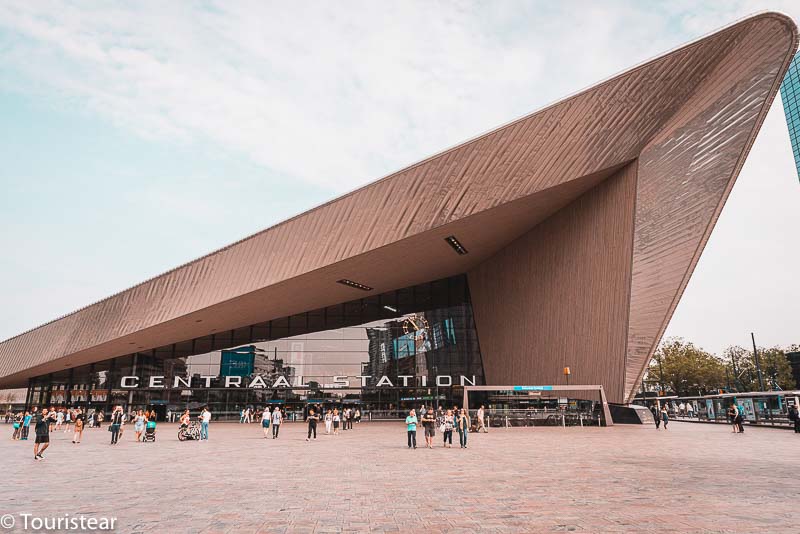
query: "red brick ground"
693, 478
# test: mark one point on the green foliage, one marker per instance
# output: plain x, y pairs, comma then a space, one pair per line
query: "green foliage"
679, 367
682, 368
775, 369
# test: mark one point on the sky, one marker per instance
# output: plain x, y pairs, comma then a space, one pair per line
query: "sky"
135, 138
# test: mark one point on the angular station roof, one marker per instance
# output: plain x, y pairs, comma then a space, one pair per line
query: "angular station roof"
689, 117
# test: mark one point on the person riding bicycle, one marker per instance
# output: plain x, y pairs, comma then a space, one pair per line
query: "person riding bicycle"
184, 420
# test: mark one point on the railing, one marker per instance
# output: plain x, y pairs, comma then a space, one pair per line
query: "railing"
530, 418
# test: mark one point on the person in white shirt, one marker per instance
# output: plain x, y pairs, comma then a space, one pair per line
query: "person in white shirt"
480, 422
689, 409
205, 418
328, 421
277, 418
265, 422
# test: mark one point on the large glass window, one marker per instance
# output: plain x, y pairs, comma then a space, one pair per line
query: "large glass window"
383, 352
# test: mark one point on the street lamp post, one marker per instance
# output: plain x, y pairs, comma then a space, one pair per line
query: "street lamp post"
435, 375
758, 363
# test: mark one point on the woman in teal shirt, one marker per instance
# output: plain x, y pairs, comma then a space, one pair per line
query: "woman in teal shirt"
411, 422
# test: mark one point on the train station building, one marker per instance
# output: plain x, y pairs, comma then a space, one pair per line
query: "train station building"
563, 239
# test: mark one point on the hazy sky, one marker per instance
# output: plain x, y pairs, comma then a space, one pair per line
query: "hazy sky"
136, 138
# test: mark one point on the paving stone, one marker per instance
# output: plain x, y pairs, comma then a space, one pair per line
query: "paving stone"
691, 479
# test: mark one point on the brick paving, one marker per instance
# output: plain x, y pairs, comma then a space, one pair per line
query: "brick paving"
693, 478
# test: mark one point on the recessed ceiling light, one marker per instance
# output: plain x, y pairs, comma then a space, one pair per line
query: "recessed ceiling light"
355, 285
457, 246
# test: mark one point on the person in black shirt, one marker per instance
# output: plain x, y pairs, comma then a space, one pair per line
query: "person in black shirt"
794, 417
429, 424
656, 417
42, 429
312, 423
116, 424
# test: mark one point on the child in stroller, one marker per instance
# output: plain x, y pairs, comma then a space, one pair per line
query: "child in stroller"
150, 431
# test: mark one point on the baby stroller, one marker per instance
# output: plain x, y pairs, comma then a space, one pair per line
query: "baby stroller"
150, 431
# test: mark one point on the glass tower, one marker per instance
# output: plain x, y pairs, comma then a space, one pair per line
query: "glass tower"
790, 94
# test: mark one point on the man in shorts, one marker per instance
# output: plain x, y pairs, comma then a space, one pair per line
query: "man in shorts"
42, 429
429, 424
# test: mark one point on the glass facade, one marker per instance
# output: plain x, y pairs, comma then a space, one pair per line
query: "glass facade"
790, 95
384, 353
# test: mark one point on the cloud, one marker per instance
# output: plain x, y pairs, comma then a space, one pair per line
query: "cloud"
329, 96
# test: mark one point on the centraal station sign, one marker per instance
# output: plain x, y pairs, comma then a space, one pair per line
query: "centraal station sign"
261, 382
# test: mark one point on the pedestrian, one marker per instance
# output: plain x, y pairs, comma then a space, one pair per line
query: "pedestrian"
462, 425
26, 423
480, 423
277, 419
68, 417
447, 429
59, 419
794, 417
17, 426
138, 425
656, 415
350, 416
265, 422
52, 420
184, 419
312, 423
328, 421
689, 409
740, 418
336, 421
205, 418
116, 424
79, 419
358, 416
429, 425
411, 426
681, 409
42, 429
664, 416
732, 413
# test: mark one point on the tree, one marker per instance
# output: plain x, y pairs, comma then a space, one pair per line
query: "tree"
684, 369
740, 368
775, 369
